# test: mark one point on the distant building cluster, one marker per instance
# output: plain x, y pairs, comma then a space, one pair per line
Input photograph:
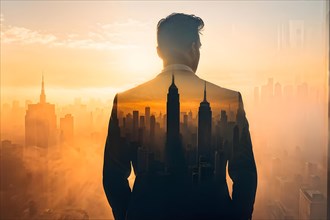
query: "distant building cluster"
202, 140
297, 196
294, 181
44, 132
275, 92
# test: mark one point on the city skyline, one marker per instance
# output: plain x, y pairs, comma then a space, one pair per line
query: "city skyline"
60, 74
186, 118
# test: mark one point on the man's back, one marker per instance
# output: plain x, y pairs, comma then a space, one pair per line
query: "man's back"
178, 132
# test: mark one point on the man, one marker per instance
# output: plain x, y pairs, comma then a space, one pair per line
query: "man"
179, 132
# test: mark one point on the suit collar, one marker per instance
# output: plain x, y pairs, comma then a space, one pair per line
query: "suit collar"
176, 67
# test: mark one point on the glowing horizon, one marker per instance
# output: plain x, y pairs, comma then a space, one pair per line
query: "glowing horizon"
98, 55
89, 51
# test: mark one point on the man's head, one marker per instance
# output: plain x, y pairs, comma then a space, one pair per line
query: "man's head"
178, 39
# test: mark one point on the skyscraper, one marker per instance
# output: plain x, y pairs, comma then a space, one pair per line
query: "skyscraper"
312, 205
173, 112
152, 128
66, 127
135, 125
204, 128
147, 117
40, 122
174, 155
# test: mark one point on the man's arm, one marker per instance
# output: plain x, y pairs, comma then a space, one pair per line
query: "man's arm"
116, 168
242, 168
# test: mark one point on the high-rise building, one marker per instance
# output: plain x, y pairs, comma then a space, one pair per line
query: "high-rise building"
173, 112
185, 121
147, 117
267, 91
174, 156
190, 117
204, 128
142, 121
66, 127
310, 170
142, 129
312, 205
278, 91
40, 122
135, 125
224, 131
152, 128
128, 125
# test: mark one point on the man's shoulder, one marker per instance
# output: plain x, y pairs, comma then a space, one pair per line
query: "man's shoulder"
141, 91
137, 88
221, 90
220, 93
190, 86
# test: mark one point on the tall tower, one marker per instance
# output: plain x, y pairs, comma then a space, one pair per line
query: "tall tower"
135, 125
40, 122
173, 112
204, 128
174, 156
147, 117
42, 94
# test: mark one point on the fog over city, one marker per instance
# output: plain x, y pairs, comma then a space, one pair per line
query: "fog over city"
287, 125
61, 71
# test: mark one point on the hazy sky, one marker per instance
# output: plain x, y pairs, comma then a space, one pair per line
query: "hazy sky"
95, 49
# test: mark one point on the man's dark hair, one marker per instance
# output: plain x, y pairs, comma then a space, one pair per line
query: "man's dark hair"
177, 32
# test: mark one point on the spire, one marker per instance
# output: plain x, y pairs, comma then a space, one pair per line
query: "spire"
42, 83
204, 91
173, 86
173, 76
42, 95
205, 102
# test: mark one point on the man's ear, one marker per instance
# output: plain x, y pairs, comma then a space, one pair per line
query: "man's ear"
194, 48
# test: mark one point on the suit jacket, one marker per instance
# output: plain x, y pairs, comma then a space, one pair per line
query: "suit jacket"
180, 134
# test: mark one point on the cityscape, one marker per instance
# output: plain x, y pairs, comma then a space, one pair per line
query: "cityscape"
293, 160
161, 139
60, 74
41, 161
44, 153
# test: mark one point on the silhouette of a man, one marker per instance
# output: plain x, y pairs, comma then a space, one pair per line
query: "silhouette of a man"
179, 133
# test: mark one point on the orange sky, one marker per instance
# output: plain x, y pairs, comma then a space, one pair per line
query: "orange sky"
100, 48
